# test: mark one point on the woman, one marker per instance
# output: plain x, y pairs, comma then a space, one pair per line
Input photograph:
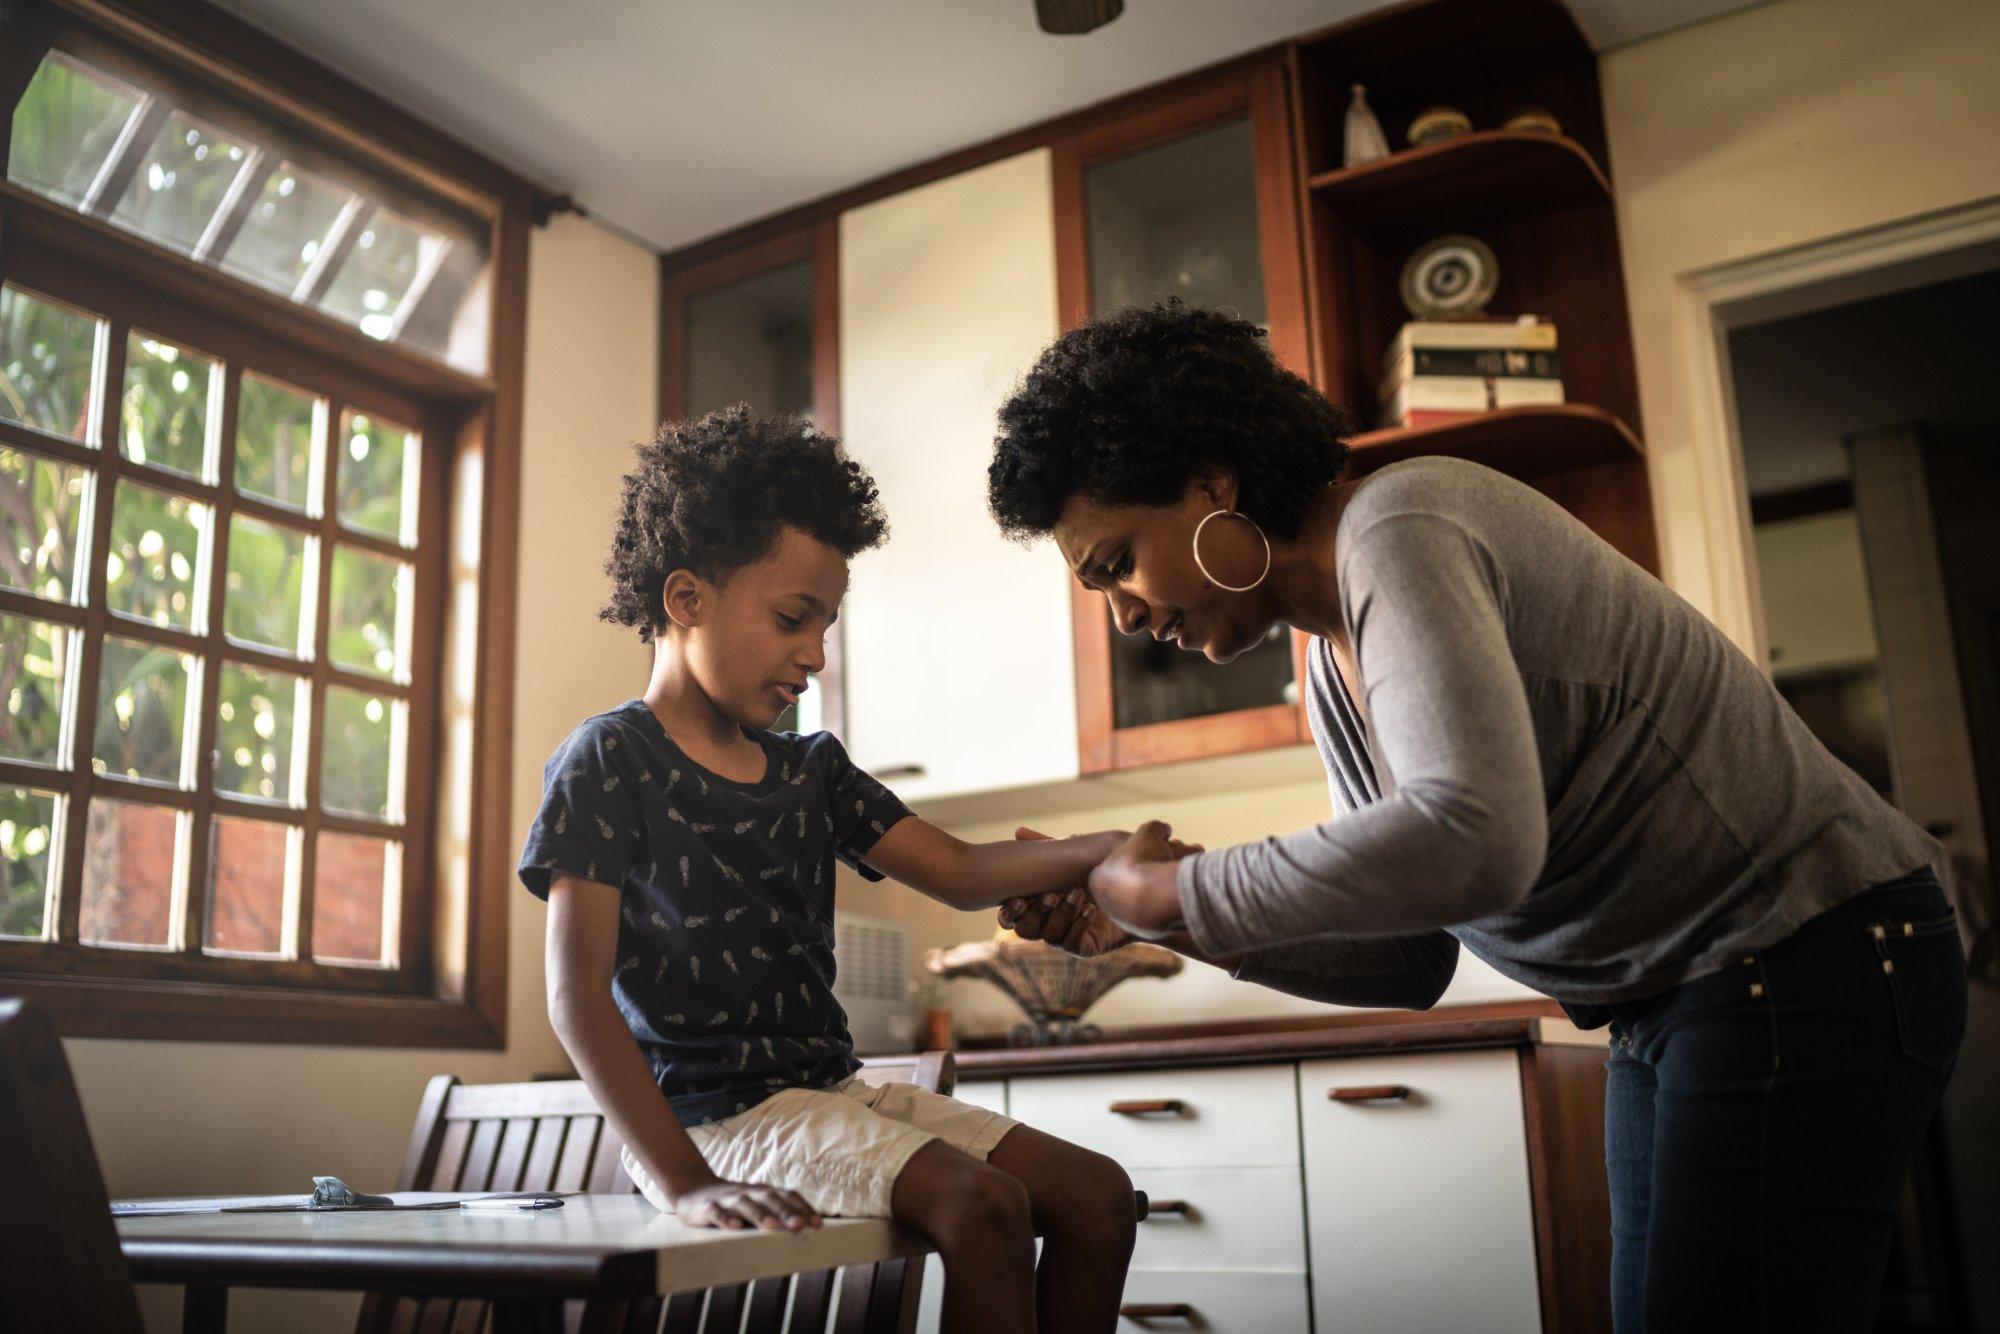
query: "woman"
1541, 754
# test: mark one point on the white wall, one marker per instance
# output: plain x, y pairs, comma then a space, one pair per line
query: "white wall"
182, 1117
1768, 128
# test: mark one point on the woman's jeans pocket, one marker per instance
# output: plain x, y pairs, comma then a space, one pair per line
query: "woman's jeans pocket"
1924, 968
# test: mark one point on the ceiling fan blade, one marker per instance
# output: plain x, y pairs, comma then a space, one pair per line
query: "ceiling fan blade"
1070, 17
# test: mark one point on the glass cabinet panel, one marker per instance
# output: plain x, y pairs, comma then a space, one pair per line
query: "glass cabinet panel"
750, 341
1180, 220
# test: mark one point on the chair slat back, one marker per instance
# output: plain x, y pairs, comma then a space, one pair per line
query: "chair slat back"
60, 1266
551, 1136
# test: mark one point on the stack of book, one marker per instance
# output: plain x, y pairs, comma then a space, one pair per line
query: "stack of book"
1438, 371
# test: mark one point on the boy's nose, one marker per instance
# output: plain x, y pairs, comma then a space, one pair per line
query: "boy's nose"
814, 658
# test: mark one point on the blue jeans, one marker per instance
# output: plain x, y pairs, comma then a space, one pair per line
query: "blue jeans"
1759, 1123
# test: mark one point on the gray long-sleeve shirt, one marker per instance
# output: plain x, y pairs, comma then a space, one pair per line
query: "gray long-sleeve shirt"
1563, 767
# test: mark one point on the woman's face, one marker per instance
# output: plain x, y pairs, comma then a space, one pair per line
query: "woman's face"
1141, 557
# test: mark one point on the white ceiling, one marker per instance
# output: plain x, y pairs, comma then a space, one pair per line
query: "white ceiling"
677, 119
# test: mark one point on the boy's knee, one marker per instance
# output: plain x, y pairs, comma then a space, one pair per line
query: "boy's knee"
1097, 1201
989, 1210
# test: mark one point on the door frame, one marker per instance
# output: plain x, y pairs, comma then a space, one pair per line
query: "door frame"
1713, 301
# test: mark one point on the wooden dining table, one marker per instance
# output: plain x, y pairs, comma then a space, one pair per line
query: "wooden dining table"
525, 1262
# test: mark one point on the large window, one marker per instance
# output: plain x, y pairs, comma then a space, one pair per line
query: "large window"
254, 656
122, 140
206, 694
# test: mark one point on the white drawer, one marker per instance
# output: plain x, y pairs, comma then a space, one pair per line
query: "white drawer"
1249, 1218
1419, 1208
988, 1093
1220, 1303
1229, 1117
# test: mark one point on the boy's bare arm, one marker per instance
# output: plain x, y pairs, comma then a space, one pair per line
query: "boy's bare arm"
970, 876
582, 952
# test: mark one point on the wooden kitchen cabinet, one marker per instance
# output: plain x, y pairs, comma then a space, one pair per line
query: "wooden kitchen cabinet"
1425, 1173
1410, 1160
1191, 196
975, 666
958, 662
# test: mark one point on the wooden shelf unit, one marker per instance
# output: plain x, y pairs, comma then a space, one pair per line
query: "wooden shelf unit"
1523, 442
1489, 173
1542, 202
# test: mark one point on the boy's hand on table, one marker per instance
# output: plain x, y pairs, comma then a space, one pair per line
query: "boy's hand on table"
740, 1206
1070, 920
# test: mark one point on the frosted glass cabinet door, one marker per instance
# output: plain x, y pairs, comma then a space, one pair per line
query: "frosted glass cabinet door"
1179, 220
959, 655
1417, 1209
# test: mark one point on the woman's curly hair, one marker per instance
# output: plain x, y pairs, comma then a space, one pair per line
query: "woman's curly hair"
1128, 409
710, 496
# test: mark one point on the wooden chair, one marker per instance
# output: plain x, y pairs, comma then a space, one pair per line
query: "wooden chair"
551, 1136
60, 1267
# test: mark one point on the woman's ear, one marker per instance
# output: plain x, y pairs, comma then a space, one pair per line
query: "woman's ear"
685, 599
1216, 487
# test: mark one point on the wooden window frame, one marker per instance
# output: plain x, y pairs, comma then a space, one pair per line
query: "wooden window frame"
818, 244
451, 987
1262, 95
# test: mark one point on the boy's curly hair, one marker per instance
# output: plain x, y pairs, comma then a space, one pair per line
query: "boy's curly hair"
1129, 408
710, 495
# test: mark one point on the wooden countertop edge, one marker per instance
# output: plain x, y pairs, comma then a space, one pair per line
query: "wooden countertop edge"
1337, 1039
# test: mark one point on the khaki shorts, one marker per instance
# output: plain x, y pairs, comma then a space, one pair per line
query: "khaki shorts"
841, 1148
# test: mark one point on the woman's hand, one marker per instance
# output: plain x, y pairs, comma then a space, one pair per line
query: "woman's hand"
1066, 919
740, 1206
1136, 886
1071, 921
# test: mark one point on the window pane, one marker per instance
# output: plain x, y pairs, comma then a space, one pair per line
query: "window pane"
257, 729
285, 229
751, 342
379, 272
1178, 220
64, 127
356, 893
378, 477
250, 865
41, 504
276, 431
28, 824
155, 559
142, 695
267, 577
361, 764
48, 356
130, 858
165, 415
34, 665
181, 182
368, 628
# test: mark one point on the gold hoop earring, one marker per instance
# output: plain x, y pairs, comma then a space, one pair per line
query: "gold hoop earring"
1256, 528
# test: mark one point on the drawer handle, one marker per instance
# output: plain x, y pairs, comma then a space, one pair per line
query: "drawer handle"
1151, 1107
1156, 1311
1371, 1093
1181, 1207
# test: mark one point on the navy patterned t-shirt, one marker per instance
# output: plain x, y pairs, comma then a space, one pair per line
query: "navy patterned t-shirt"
725, 947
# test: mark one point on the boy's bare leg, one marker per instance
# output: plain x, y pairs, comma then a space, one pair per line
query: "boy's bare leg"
978, 1218
1082, 1207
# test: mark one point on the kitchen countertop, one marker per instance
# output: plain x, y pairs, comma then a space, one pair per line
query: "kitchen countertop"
1460, 1028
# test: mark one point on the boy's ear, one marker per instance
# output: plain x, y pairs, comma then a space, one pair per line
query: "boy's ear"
685, 598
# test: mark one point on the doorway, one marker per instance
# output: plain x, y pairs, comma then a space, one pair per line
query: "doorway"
1870, 458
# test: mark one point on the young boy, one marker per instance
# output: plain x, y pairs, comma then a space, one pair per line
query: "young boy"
686, 853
